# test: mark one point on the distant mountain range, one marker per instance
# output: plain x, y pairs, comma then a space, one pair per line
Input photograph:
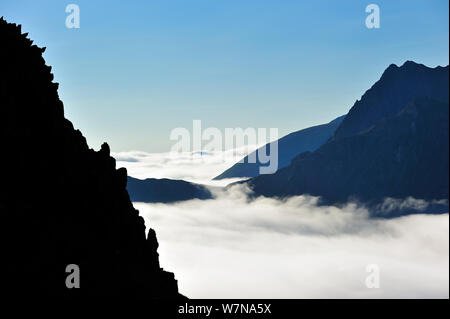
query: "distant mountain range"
289, 146
394, 142
152, 190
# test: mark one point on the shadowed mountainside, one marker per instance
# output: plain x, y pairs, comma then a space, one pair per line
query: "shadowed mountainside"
153, 190
389, 95
385, 147
289, 146
62, 203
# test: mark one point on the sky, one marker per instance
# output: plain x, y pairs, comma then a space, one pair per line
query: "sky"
135, 70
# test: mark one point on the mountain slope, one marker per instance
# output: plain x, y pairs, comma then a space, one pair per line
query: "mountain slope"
289, 146
396, 87
152, 190
404, 154
62, 203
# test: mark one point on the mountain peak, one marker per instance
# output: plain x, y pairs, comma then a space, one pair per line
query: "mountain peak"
396, 87
410, 63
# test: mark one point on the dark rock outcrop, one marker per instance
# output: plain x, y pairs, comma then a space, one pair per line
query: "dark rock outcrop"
164, 190
385, 147
62, 203
289, 146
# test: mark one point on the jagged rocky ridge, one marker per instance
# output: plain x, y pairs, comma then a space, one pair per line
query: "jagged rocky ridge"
397, 86
60, 202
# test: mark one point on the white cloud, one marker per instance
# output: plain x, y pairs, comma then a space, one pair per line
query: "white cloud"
232, 248
192, 167
391, 204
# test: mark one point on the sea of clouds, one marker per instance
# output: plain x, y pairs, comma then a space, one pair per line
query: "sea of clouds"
197, 167
230, 247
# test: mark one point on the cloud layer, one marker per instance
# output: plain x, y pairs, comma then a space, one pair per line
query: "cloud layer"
232, 248
192, 167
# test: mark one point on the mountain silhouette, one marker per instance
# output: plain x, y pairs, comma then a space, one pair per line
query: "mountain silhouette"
289, 146
62, 203
152, 190
381, 149
388, 96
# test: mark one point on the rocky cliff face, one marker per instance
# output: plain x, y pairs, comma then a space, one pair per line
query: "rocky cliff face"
62, 203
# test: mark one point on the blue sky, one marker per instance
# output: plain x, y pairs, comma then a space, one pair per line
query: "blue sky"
135, 70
